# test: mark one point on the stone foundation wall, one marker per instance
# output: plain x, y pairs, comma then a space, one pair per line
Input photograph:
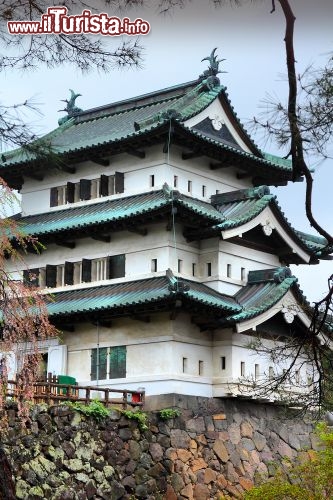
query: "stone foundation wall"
215, 449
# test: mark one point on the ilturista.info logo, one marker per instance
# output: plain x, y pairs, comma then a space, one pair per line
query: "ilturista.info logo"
57, 21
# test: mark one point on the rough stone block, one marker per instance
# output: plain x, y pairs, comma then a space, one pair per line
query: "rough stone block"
219, 416
221, 451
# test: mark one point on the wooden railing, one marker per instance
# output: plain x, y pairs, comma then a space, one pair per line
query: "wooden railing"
51, 392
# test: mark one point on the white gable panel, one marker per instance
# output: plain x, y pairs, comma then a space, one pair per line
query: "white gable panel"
216, 113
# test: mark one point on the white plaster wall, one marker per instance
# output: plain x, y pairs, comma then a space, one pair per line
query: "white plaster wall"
36, 194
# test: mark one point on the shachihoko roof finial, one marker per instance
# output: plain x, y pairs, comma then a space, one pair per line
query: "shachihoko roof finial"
213, 70
70, 108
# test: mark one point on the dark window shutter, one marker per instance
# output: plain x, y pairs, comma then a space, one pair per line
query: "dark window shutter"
117, 266
85, 189
51, 276
99, 363
118, 362
31, 277
54, 197
119, 182
70, 193
86, 270
104, 185
69, 273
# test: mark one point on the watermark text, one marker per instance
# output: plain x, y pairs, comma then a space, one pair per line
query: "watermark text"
57, 21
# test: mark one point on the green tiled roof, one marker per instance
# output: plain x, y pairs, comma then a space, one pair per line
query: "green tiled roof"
284, 162
318, 244
257, 298
237, 213
221, 214
134, 119
147, 292
109, 127
110, 211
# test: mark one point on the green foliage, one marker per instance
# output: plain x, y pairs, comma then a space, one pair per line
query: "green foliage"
309, 480
138, 415
168, 413
95, 409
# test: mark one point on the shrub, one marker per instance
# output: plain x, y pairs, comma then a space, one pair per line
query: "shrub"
168, 413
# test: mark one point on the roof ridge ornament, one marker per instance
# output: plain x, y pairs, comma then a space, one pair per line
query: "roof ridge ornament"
276, 274
71, 109
209, 75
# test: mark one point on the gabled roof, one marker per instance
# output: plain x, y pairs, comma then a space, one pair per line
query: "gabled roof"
227, 211
267, 293
139, 122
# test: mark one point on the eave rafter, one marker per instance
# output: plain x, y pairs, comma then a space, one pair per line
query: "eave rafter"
105, 238
196, 153
66, 244
136, 152
103, 162
35, 176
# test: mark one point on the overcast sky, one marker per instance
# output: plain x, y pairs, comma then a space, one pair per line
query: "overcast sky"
251, 41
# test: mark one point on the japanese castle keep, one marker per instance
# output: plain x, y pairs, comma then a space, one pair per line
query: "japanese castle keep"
165, 251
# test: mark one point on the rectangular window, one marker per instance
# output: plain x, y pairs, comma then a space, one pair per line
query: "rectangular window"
243, 273
98, 269
50, 276
99, 358
189, 186
201, 368
152, 180
86, 271
119, 181
204, 191
77, 272
62, 195
185, 360
223, 363
58, 196
209, 268
85, 189
228, 270
69, 273
104, 185
108, 363
117, 362
61, 275
116, 266
95, 188
242, 368
175, 181
256, 371
194, 269
153, 265
180, 265
42, 277
31, 277
112, 186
